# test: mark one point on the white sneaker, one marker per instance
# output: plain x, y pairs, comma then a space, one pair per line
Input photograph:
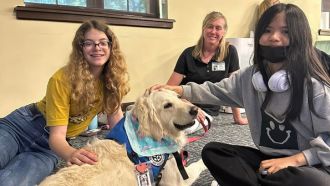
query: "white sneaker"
214, 183
197, 126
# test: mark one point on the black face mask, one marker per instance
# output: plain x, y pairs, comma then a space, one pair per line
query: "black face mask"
273, 54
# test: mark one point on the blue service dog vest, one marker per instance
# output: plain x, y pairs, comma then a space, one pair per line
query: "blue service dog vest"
118, 133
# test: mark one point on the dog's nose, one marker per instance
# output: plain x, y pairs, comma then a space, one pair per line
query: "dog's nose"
193, 111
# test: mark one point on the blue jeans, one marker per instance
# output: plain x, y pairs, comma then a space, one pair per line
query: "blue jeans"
25, 156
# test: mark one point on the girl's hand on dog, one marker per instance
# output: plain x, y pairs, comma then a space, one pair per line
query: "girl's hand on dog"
58, 144
177, 89
82, 156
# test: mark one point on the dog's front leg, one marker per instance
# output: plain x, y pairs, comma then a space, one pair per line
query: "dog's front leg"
194, 170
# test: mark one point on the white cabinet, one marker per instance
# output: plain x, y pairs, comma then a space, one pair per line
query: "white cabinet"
244, 48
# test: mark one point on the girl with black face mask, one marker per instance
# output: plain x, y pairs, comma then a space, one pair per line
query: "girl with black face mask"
286, 96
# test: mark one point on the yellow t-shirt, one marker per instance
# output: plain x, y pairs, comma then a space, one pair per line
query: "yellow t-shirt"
58, 108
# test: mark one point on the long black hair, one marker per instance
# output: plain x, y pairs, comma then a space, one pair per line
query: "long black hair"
302, 60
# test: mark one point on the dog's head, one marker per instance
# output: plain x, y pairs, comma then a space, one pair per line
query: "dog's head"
162, 113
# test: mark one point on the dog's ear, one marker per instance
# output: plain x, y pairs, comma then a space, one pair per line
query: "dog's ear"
147, 116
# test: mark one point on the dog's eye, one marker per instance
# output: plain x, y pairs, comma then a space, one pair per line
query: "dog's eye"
168, 105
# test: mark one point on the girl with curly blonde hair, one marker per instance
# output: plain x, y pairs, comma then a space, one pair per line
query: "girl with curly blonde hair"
113, 74
95, 80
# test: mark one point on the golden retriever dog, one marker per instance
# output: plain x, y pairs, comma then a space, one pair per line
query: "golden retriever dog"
160, 114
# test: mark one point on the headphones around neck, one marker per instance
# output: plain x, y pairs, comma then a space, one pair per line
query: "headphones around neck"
277, 82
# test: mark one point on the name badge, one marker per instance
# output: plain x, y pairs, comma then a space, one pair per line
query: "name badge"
216, 66
143, 172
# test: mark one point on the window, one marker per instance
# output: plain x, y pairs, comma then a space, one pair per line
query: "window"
143, 13
325, 21
59, 2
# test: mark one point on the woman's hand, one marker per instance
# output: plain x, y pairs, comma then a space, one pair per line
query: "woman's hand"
200, 116
241, 121
238, 119
82, 156
274, 165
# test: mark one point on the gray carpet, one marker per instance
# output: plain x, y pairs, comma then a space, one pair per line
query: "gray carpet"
222, 130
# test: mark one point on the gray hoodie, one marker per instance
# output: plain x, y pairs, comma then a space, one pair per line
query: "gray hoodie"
313, 132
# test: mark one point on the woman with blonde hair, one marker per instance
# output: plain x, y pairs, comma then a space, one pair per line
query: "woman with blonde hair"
211, 59
264, 5
33, 137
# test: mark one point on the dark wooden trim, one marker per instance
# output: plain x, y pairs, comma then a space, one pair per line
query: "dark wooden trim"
324, 32
325, 6
125, 105
95, 3
80, 15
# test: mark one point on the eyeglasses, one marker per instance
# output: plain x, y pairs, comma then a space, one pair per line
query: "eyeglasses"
89, 44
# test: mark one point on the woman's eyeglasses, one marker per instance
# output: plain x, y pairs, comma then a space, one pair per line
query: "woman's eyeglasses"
89, 44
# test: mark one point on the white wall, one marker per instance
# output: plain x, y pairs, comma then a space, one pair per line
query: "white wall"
31, 51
